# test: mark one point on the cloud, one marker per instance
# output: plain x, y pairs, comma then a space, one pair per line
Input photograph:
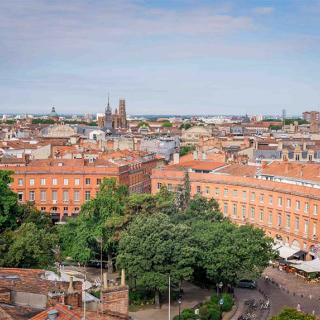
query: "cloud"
263, 10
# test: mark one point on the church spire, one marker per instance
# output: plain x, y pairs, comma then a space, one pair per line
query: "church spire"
108, 105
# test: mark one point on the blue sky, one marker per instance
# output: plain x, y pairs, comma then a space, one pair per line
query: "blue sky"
178, 56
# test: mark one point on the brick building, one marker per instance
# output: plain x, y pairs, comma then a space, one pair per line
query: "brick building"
283, 201
61, 186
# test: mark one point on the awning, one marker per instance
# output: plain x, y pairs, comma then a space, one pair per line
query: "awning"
286, 252
309, 266
299, 255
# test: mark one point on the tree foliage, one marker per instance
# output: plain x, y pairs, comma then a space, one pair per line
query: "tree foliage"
153, 248
292, 314
100, 218
9, 209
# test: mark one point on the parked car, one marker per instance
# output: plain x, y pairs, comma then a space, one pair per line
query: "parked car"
244, 283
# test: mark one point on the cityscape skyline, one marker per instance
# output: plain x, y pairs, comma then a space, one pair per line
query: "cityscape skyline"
190, 57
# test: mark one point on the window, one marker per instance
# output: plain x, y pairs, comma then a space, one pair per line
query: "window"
77, 182
43, 181
159, 185
217, 191
270, 217
207, 189
87, 195
261, 198
261, 215
225, 192
65, 196
170, 187
198, 189
244, 195
54, 181
31, 196
98, 181
20, 196
315, 209
54, 195
20, 182
65, 181
306, 207
288, 221
88, 181
235, 193
243, 211
252, 212
234, 210
76, 196
296, 224
314, 229
43, 209
297, 205
253, 196
43, 196
306, 227
31, 182
65, 209
280, 202
279, 220
270, 200
288, 203
225, 209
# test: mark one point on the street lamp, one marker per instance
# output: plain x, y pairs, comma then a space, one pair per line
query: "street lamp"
221, 301
219, 287
179, 302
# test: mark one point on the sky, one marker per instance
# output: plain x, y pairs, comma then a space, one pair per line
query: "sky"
164, 57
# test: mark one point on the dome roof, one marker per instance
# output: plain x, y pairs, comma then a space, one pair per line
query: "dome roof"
53, 112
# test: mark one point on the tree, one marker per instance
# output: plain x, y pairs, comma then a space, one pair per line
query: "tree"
28, 247
186, 149
292, 314
9, 208
227, 253
100, 218
153, 248
167, 124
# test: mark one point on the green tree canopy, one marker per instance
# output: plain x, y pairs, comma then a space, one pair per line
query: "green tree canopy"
9, 209
227, 253
292, 314
27, 247
153, 248
100, 218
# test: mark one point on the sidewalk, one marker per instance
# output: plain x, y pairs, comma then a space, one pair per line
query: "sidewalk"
191, 297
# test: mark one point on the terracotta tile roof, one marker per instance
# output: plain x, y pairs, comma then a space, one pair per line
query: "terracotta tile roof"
305, 171
11, 312
63, 313
238, 170
197, 165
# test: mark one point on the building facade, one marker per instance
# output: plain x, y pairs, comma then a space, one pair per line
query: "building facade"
287, 212
61, 186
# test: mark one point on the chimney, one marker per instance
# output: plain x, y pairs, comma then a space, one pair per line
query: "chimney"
52, 314
105, 280
123, 278
71, 289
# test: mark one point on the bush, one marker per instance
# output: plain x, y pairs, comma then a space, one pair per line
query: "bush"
186, 314
209, 311
227, 302
138, 297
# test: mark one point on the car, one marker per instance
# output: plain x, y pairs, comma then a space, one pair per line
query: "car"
244, 283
